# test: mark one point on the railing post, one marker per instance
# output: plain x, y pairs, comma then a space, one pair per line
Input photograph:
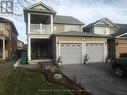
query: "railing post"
51, 16
28, 23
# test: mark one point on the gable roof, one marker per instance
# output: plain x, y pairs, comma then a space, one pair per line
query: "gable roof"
119, 33
10, 22
44, 8
66, 20
103, 19
32, 8
79, 34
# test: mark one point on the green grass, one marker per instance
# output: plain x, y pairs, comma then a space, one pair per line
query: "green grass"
5, 70
26, 82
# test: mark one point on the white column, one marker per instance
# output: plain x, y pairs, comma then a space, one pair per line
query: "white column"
3, 48
29, 48
29, 23
83, 51
51, 16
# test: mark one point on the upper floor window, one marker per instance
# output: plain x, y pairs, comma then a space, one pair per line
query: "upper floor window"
71, 28
102, 30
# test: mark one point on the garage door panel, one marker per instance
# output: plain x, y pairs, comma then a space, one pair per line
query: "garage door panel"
95, 52
71, 53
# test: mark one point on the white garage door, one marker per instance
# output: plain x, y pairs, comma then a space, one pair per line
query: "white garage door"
95, 52
71, 53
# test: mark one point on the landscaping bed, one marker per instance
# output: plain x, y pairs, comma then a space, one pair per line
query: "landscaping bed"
53, 73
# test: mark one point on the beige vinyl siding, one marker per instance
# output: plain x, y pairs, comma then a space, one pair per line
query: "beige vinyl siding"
66, 28
4, 29
58, 28
63, 38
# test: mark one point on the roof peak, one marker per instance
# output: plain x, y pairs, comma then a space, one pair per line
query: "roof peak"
103, 19
40, 3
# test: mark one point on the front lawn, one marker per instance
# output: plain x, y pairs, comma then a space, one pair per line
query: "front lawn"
26, 82
5, 70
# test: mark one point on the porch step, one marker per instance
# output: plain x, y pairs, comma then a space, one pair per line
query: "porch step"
38, 61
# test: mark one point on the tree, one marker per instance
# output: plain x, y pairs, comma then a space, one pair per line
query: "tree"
15, 7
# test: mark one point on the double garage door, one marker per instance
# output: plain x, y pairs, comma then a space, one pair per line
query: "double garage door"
72, 53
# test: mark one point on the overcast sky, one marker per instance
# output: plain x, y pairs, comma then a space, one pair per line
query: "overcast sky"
86, 11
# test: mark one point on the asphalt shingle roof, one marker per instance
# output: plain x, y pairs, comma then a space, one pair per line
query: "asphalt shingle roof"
121, 25
79, 34
67, 20
119, 32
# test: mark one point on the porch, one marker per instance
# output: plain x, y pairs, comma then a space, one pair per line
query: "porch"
39, 50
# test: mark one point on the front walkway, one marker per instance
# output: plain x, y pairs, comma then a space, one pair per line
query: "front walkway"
31, 66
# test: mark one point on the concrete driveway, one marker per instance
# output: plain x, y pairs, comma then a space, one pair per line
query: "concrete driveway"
98, 78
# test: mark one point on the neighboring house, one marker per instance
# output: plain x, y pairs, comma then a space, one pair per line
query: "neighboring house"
20, 45
53, 37
20, 49
117, 41
103, 26
8, 38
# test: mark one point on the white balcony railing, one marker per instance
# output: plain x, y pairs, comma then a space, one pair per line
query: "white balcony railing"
40, 29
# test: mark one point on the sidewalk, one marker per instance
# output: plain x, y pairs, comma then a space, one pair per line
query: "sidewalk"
30, 66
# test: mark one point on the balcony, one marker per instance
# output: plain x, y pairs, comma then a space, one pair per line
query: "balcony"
40, 29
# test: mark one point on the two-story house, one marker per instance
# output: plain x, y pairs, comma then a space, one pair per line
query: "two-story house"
117, 44
8, 38
55, 37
